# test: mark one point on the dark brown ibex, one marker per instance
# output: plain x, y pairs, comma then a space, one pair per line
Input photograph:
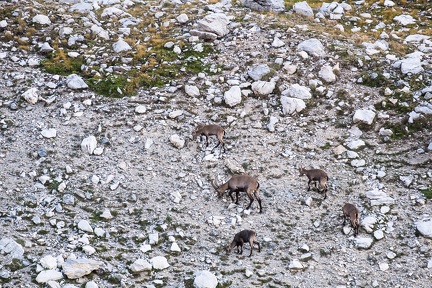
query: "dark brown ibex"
209, 130
242, 237
240, 183
350, 211
316, 175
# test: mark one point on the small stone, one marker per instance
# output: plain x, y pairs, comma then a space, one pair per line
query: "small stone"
84, 225
106, 214
383, 266
159, 263
140, 109
295, 264
140, 265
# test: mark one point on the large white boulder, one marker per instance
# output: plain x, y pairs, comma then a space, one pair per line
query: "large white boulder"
216, 23
292, 105
303, 8
233, 97
364, 116
263, 87
313, 47
205, 279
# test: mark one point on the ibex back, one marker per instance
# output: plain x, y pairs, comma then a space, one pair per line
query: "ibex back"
209, 130
240, 183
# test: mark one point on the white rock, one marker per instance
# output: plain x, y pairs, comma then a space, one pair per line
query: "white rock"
425, 228
148, 143
404, 19
352, 154
31, 95
356, 144
232, 97
383, 266
140, 109
174, 114
290, 68
182, 18
410, 65
145, 247
363, 242
99, 232
49, 262
192, 91
11, 248
216, 23
49, 133
379, 197
292, 105
407, 180
368, 223
277, 43
91, 284
153, 238
77, 268
378, 234
358, 163
257, 72
298, 91
140, 265
84, 225
88, 250
205, 279
177, 141
263, 88
295, 264
303, 8
75, 82
175, 247
106, 214
326, 73
159, 263
364, 116
3, 24
272, 122
249, 273
121, 46
41, 19
313, 47
100, 32
98, 151
49, 275
88, 145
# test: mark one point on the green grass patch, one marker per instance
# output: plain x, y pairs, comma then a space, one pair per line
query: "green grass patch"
427, 193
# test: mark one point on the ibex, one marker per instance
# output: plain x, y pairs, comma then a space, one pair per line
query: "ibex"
240, 183
209, 130
349, 210
244, 237
316, 175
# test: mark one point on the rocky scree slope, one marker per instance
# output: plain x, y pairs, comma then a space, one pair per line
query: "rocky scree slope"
133, 206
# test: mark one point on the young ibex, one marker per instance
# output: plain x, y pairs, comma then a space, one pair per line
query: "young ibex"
240, 183
316, 175
244, 237
349, 210
209, 130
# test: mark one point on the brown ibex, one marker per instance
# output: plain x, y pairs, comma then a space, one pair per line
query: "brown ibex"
349, 210
316, 175
242, 237
209, 130
240, 183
